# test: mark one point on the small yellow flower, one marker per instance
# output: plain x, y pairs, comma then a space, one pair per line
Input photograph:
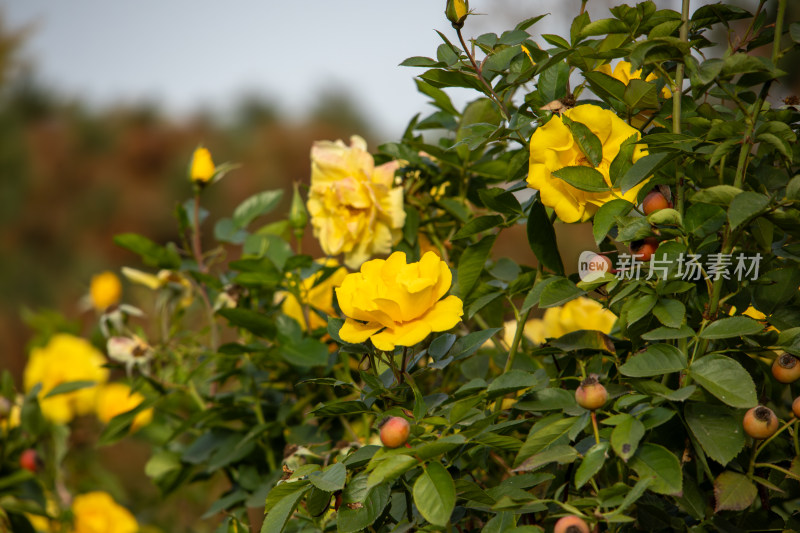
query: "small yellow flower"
622, 72
105, 290
575, 315
117, 398
398, 304
317, 296
97, 512
553, 148
354, 207
65, 359
202, 168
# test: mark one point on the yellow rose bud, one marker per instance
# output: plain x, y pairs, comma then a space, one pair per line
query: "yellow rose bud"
105, 290
456, 12
398, 304
202, 168
97, 512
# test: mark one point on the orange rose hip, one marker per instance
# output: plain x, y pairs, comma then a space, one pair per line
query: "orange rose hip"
395, 431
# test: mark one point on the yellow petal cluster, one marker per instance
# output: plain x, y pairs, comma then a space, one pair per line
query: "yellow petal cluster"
622, 72
105, 290
117, 398
202, 167
575, 315
355, 210
180, 284
553, 148
394, 303
65, 359
316, 295
97, 512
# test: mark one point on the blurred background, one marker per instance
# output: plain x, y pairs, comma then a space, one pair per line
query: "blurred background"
102, 103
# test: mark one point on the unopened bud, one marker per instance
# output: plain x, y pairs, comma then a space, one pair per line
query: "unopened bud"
202, 168
456, 12
298, 215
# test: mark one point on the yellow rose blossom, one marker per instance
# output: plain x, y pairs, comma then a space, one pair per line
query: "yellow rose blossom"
319, 296
622, 72
575, 315
355, 210
97, 512
117, 398
202, 167
553, 148
398, 304
65, 359
105, 290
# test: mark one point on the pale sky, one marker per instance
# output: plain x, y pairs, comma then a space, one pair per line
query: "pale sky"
187, 54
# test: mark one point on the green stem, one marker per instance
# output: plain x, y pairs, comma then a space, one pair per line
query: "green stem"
764, 444
776, 42
479, 73
677, 96
521, 320
776, 467
595, 428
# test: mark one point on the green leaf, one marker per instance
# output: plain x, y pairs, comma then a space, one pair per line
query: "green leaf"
717, 429
591, 464
469, 344
640, 94
655, 360
603, 27
659, 464
606, 217
561, 454
511, 381
318, 501
587, 141
775, 289
583, 178
559, 292
71, 386
436, 448
623, 161
548, 400
726, 379
717, 195
307, 352
471, 264
279, 514
643, 168
225, 230
584, 339
351, 520
119, 426
640, 307
794, 31
604, 85
670, 312
626, 436
256, 323
345, 407
390, 468
733, 492
545, 435
735, 326
151, 253
542, 238
259, 204
435, 494
330, 479
664, 333
477, 225
745, 206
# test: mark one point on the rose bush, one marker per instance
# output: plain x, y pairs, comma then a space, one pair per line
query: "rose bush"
626, 408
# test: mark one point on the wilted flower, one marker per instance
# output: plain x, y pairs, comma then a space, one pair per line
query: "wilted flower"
105, 290
202, 167
181, 287
355, 210
398, 304
129, 351
117, 398
317, 295
97, 512
65, 359
553, 147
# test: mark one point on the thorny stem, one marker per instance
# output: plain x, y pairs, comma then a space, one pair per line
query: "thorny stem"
479, 73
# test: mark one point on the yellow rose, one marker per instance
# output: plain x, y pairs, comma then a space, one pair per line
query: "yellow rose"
97, 512
397, 304
105, 290
319, 296
622, 72
354, 208
65, 359
117, 398
553, 148
202, 167
575, 315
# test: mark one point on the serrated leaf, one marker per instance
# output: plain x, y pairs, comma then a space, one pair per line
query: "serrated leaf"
471, 264
735, 326
655, 360
726, 379
626, 436
329, 479
717, 429
733, 492
591, 464
643, 168
606, 217
744, 206
259, 204
542, 238
435, 494
584, 178
662, 466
